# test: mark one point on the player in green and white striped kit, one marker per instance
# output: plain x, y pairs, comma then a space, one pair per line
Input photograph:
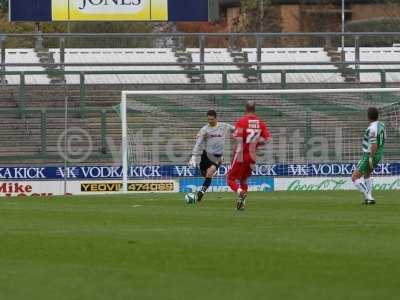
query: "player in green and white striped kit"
372, 146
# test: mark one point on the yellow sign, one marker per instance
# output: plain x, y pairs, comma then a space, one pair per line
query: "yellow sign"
144, 186
110, 10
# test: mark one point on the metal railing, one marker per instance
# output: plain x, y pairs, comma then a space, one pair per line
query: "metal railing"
225, 84
44, 114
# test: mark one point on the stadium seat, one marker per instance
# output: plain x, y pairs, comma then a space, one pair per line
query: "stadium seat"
376, 54
27, 56
217, 55
136, 55
297, 55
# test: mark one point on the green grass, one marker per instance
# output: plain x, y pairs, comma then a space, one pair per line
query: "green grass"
317, 245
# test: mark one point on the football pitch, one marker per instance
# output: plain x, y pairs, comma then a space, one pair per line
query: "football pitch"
308, 245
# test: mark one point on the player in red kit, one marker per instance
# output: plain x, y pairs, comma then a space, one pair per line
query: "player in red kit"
250, 132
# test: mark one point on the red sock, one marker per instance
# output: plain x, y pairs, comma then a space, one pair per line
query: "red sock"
232, 183
244, 186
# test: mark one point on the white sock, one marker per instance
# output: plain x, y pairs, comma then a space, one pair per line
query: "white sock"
361, 186
368, 184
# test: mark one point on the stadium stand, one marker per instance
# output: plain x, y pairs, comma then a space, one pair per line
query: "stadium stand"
212, 55
297, 55
217, 55
169, 55
137, 55
33, 118
376, 54
27, 56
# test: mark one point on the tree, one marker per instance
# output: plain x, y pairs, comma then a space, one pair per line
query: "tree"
4, 5
77, 27
392, 9
259, 16
386, 19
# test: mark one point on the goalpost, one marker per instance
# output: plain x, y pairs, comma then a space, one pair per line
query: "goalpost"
328, 122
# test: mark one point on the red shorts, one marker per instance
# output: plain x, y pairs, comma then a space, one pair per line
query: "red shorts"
241, 170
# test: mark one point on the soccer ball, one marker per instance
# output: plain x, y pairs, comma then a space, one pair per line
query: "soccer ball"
190, 198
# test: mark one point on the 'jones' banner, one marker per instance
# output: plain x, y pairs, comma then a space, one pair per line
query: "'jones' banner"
87, 10
182, 171
109, 10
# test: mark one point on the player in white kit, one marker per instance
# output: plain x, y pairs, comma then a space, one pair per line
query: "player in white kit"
210, 146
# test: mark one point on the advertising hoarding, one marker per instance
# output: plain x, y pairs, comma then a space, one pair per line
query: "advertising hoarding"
112, 10
179, 171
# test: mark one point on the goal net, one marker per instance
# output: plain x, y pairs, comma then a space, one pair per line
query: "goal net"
307, 126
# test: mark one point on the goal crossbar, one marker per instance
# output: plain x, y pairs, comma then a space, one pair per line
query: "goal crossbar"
258, 92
